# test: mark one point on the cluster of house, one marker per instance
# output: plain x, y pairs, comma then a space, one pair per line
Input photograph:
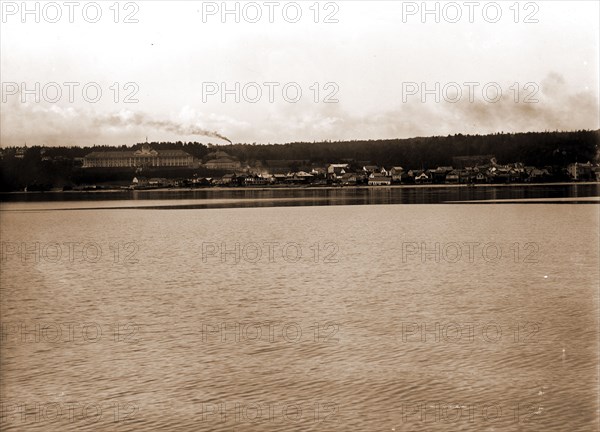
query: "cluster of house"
489, 173
372, 175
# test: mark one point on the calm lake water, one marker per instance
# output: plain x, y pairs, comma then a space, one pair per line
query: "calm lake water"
269, 197
383, 317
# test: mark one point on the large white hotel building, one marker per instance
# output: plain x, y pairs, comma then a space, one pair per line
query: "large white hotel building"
144, 157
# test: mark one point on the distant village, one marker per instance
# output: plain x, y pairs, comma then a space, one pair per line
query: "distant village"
469, 170
152, 168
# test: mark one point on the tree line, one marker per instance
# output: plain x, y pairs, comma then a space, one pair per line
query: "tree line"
42, 168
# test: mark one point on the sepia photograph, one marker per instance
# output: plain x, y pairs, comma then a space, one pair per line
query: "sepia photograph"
311, 216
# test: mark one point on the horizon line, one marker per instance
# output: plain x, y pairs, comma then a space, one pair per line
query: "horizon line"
301, 141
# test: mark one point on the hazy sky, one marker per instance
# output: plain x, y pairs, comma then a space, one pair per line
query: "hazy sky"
376, 59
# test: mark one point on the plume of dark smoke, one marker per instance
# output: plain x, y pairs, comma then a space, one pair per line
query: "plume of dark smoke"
140, 119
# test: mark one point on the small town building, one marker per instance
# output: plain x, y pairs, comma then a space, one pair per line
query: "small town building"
580, 171
421, 177
378, 179
453, 177
396, 173
220, 160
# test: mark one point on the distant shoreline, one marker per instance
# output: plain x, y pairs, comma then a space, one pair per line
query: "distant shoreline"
295, 187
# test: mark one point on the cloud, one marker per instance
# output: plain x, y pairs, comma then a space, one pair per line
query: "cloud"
558, 108
54, 125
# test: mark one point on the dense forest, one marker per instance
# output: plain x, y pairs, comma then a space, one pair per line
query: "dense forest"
44, 168
537, 149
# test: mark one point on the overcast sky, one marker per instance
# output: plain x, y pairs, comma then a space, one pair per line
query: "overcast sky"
376, 60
